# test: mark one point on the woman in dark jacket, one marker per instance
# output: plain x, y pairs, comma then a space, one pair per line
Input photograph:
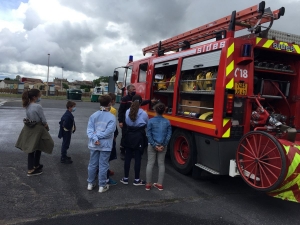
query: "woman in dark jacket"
34, 136
135, 139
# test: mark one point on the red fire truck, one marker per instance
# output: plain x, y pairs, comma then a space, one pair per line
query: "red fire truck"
233, 102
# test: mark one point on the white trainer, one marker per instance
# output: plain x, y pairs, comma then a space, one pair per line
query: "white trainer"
103, 189
91, 186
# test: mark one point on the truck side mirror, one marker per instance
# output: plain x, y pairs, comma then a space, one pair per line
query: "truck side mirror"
116, 75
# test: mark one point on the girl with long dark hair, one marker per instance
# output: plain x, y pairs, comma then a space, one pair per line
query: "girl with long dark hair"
135, 139
34, 136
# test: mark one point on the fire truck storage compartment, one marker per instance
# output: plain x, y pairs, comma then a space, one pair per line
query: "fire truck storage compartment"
267, 88
276, 62
195, 105
215, 154
274, 79
163, 73
199, 73
163, 82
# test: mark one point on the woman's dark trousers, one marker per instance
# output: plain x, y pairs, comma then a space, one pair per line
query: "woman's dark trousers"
34, 159
137, 162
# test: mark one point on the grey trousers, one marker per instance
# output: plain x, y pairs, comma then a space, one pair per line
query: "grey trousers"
152, 153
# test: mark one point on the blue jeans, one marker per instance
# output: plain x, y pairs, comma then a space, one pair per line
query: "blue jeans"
98, 159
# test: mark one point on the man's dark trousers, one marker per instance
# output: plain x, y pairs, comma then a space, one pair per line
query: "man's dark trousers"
65, 144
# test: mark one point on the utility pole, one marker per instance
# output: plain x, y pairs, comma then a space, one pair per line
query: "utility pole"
48, 76
62, 76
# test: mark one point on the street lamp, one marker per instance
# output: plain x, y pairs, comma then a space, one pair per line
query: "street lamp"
62, 76
48, 75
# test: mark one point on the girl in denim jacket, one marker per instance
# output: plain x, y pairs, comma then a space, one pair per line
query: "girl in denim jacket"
159, 132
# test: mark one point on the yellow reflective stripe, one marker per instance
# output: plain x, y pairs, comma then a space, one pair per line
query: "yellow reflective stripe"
294, 164
286, 148
297, 146
288, 185
185, 121
268, 43
226, 134
230, 84
230, 50
297, 48
258, 39
288, 195
225, 121
283, 43
229, 68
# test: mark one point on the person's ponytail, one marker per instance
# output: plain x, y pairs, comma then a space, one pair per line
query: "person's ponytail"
25, 99
28, 95
134, 108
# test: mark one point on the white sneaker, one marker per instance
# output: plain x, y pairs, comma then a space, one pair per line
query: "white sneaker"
103, 189
91, 186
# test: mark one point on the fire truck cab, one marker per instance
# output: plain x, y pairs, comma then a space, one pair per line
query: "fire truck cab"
232, 102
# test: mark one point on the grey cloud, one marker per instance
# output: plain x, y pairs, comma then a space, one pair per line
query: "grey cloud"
11, 46
65, 43
148, 20
32, 19
111, 34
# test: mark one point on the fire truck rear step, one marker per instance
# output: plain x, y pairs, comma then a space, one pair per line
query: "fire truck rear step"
207, 169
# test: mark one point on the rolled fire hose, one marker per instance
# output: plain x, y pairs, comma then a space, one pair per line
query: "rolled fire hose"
206, 116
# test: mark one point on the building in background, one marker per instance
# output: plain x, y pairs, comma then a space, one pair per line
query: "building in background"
10, 84
30, 80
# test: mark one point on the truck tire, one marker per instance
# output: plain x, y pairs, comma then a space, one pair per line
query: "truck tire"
261, 161
183, 151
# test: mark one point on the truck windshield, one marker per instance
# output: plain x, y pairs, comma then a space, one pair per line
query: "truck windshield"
124, 77
121, 80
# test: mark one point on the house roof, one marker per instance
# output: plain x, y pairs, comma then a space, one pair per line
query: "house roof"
27, 79
11, 81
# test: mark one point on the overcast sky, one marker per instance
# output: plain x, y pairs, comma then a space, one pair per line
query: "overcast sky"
89, 38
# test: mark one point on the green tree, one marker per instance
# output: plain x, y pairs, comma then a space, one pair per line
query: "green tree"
85, 86
65, 86
100, 79
6, 78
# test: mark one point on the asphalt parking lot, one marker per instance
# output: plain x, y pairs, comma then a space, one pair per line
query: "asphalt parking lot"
59, 195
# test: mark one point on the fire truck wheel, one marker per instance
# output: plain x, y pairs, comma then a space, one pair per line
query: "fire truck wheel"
183, 151
261, 161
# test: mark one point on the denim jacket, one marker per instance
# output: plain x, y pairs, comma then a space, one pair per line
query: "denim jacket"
101, 127
159, 131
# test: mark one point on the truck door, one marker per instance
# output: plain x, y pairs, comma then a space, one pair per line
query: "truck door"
140, 83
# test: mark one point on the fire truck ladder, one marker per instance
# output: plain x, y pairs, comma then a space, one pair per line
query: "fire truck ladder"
250, 18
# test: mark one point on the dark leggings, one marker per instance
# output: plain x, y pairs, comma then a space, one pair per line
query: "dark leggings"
137, 162
124, 128
34, 159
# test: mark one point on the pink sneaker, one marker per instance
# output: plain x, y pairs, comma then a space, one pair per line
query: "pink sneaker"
158, 186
